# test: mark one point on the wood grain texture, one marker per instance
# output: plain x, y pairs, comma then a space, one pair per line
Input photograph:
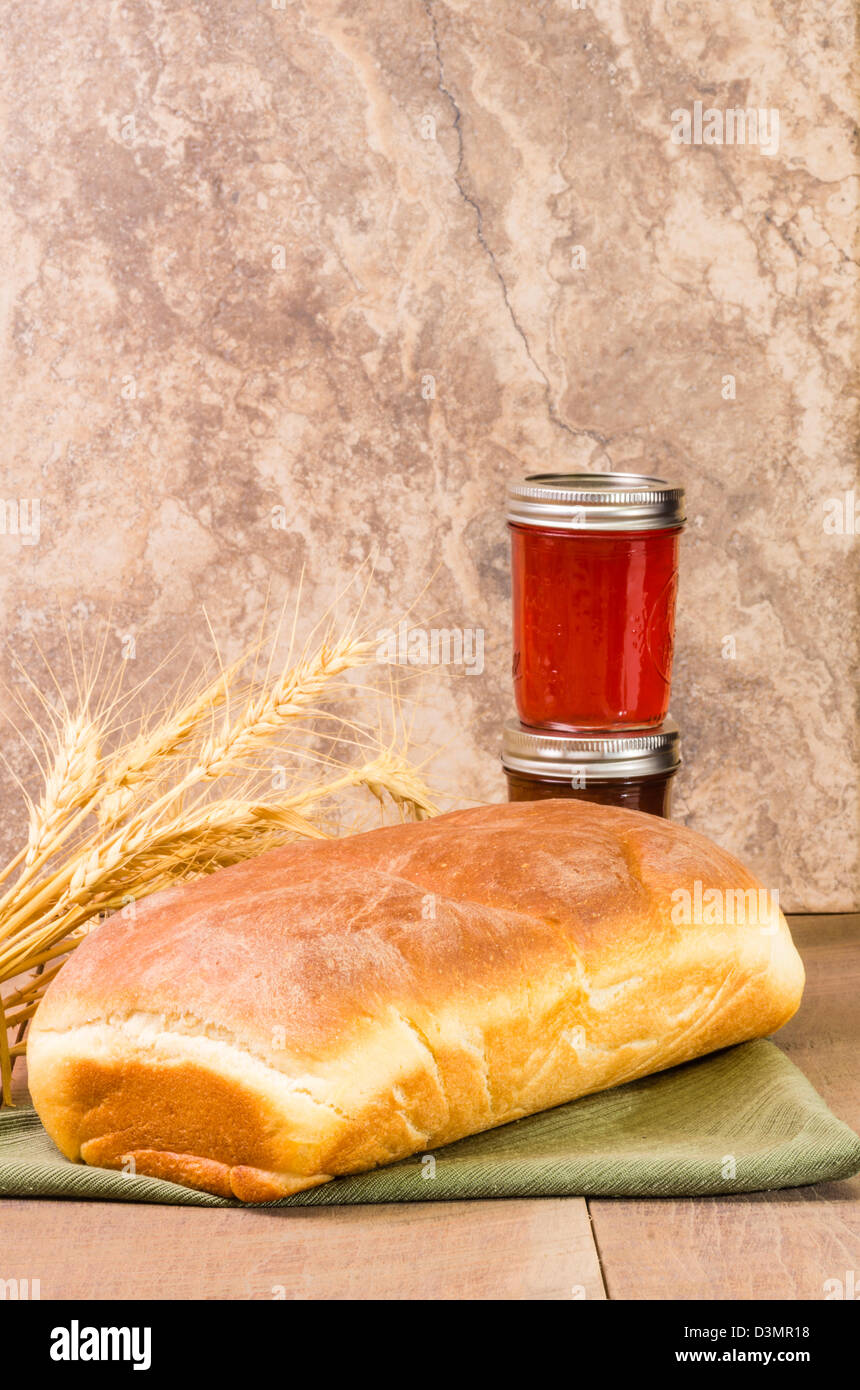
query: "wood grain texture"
767, 1245
516, 1249
822, 1039
782, 1245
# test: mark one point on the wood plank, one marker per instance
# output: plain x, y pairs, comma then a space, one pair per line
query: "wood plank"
782, 1245
823, 1037
766, 1245
20, 1091
539, 1249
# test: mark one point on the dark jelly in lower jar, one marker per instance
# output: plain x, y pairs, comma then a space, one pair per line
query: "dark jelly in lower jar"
634, 769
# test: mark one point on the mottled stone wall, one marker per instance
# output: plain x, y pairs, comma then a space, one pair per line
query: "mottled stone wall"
362, 262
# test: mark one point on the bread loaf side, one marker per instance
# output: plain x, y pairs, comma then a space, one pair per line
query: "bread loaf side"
336, 1005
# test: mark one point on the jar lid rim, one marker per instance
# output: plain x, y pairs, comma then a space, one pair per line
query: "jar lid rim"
595, 501
597, 753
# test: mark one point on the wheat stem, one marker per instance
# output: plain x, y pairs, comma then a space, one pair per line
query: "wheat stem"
5, 1058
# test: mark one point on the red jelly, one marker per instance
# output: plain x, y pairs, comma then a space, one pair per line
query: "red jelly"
595, 570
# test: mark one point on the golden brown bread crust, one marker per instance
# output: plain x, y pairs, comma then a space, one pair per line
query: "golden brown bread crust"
331, 1006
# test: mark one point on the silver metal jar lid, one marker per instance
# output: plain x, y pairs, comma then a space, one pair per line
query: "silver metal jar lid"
595, 502
595, 755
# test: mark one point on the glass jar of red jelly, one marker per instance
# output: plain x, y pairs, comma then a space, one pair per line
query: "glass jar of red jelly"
595, 571
632, 768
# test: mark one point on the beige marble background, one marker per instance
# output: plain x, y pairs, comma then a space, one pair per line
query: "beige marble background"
238, 239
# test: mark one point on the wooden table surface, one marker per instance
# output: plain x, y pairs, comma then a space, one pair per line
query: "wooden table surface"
768, 1245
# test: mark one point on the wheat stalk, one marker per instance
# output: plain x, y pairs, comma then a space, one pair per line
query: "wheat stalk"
212, 835
264, 717
68, 785
112, 829
144, 758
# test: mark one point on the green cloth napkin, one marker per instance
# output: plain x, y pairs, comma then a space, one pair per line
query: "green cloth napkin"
743, 1120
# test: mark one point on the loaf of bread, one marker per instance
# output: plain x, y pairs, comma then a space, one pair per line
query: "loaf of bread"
331, 1006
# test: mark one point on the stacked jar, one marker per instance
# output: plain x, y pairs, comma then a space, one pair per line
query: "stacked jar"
595, 572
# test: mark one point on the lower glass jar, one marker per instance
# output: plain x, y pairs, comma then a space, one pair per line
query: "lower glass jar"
631, 768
